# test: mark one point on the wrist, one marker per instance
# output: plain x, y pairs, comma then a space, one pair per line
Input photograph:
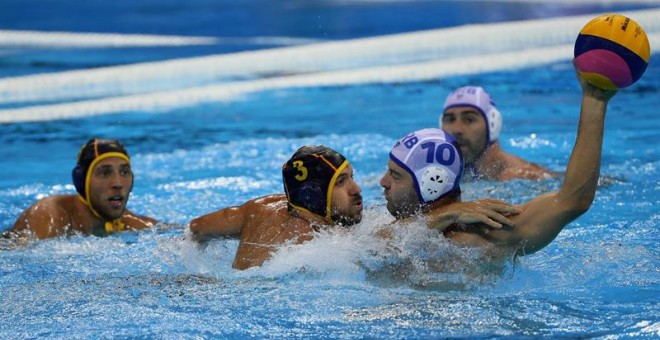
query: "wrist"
441, 221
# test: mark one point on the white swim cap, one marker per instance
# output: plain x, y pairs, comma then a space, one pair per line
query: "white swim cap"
433, 159
478, 98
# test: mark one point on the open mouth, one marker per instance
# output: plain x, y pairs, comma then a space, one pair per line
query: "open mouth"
116, 201
358, 202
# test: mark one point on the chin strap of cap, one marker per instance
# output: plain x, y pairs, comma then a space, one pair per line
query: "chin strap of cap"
113, 226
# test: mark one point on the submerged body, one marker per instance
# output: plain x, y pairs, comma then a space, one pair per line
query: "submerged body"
414, 170
104, 180
320, 193
471, 117
262, 224
67, 215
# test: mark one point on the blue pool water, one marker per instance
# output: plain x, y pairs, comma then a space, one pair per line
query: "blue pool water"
599, 278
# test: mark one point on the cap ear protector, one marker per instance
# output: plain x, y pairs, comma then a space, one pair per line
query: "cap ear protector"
477, 98
309, 179
494, 123
433, 182
433, 159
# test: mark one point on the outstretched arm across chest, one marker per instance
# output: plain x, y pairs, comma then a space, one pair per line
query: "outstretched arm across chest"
544, 217
229, 221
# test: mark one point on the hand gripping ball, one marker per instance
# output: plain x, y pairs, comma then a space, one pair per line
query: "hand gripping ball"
612, 51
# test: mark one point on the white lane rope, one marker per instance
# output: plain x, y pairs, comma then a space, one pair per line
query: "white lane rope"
396, 58
41, 39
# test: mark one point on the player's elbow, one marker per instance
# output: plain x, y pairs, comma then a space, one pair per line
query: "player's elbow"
197, 231
582, 204
576, 205
196, 226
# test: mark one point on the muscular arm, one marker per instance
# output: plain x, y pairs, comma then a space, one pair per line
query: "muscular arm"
544, 217
228, 221
490, 212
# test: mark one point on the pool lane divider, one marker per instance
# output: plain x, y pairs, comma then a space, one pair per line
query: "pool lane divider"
407, 57
32, 39
40, 39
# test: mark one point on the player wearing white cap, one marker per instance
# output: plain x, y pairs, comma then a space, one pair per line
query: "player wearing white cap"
425, 169
471, 117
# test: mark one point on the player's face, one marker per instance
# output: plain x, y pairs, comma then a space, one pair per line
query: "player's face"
110, 184
346, 199
469, 127
399, 191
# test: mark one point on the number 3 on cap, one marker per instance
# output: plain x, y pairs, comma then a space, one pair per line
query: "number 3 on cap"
302, 170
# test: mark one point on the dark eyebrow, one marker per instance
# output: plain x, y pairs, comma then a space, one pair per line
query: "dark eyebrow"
394, 172
109, 166
470, 112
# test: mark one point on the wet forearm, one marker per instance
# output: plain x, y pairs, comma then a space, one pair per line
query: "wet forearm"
581, 178
228, 221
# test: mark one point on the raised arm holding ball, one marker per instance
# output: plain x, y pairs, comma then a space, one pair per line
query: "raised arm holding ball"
425, 168
611, 52
544, 217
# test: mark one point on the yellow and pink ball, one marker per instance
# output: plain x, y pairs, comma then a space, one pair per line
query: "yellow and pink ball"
612, 51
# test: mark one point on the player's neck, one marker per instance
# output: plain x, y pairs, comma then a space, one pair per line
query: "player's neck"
313, 220
85, 218
93, 223
491, 163
441, 203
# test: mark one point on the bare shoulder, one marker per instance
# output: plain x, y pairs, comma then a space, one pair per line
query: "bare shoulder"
274, 200
271, 222
57, 201
268, 225
523, 169
265, 205
136, 222
55, 205
262, 210
49, 216
236, 219
255, 207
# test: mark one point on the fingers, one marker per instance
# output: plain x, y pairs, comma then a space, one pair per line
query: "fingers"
490, 212
498, 218
494, 213
489, 222
484, 216
499, 206
590, 90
